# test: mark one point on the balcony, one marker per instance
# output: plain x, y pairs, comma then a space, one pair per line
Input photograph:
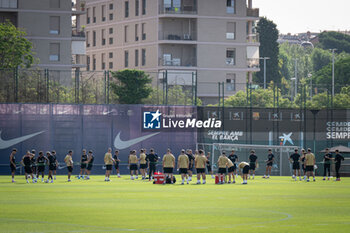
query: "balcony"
175, 7
253, 63
181, 62
79, 61
78, 35
178, 29
253, 12
9, 4
253, 38
77, 10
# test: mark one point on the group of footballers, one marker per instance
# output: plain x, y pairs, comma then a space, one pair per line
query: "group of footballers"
186, 162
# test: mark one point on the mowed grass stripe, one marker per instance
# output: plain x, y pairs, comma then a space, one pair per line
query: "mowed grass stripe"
277, 204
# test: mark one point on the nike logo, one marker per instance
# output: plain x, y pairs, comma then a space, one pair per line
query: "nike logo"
119, 144
8, 143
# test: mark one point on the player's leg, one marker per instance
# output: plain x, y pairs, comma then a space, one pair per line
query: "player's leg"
198, 176
204, 178
337, 168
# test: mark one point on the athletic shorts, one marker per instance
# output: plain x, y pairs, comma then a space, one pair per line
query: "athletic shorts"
222, 170
209, 168
269, 164
13, 168
70, 169
231, 169
296, 166
89, 167
83, 165
168, 170
200, 170
304, 168
133, 167
143, 166
116, 165
246, 169
109, 167
41, 168
183, 171
252, 166
310, 168
28, 169
52, 167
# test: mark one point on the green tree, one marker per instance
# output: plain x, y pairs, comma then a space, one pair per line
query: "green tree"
341, 73
268, 34
320, 58
131, 86
335, 40
15, 49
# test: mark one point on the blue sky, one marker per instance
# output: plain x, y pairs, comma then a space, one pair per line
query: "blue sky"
306, 15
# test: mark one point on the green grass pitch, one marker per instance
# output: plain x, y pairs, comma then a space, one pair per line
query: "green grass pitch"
264, 205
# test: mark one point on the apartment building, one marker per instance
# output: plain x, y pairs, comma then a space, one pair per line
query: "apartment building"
58, 44
213, 39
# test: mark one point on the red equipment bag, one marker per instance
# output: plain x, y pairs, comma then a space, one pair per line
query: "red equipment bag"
159, 178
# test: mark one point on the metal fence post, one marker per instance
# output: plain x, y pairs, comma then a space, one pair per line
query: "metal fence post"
105, 87
16, 84
166, 87
223, 94
108, 87
47, 85
76, 86
196, 89
219, 97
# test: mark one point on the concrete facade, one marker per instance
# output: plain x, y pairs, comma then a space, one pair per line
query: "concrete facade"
209, 38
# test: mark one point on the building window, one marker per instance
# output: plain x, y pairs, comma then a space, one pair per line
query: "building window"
231, 31
111, 40
111, 16
54, 52
143, 28
136, 32
110, 30
125, 34
94, 14
126, 58
103, 63
54, 25
87, 39
143, 7
87, 15
143, 57
126, 9
103, 36
110, 65
230, 6
137, 7
103, 11
93, 62
136, 57
54, 3
110, 55
93, 38
230, 57
230, 82
87, 63
111, 6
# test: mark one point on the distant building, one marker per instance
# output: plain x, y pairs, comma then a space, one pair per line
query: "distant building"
48, 24
302, 39
215, 41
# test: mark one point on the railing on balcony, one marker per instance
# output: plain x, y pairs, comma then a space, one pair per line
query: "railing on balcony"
178, 10
77, 33
253, 38
189, 62
253, 62
177, 36
253, 12
8, 4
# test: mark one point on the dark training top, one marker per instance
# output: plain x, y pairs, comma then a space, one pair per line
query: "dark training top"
41, 161
33, 161
295, 157
327, 160
52, 160
83, 158
152, 158
13, 159
338, 159
233, 158
253, 158
27, 161
270, 157
92, 159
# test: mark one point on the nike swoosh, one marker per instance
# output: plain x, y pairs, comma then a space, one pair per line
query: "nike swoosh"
5, 144
119, 144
